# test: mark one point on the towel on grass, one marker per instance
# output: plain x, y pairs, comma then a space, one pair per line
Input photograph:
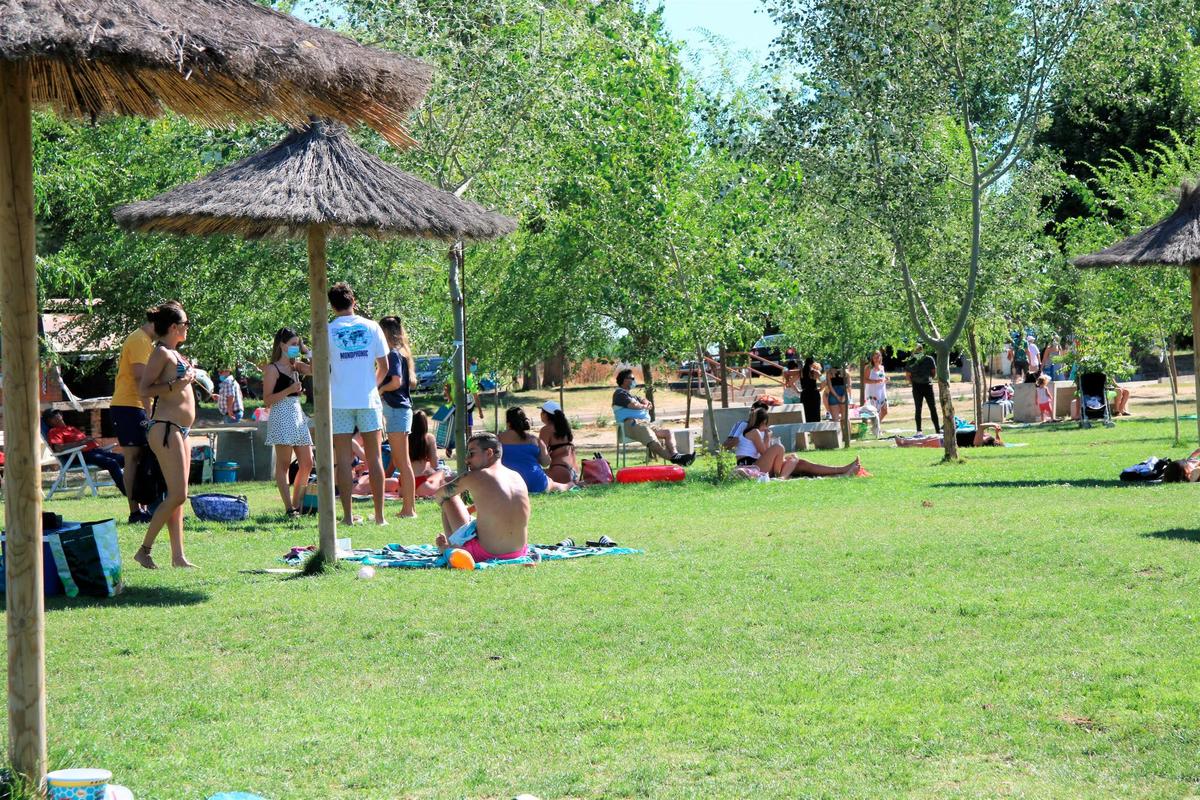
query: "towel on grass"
425, 556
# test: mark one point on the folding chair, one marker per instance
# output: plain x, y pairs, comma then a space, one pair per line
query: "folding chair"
71, 460
624, 443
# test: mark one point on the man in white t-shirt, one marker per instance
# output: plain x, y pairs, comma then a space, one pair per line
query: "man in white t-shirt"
357, 365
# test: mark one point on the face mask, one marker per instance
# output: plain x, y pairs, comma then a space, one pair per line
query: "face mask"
474, 368
224, 378
294, 351
632, 382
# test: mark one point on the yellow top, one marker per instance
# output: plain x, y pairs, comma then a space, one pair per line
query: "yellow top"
136, 350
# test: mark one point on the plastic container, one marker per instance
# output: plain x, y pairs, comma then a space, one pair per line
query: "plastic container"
650, 473
78, 784
225, 472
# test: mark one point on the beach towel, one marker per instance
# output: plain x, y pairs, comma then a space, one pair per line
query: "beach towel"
425, 556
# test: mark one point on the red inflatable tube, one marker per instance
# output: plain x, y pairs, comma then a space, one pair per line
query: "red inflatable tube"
649, 473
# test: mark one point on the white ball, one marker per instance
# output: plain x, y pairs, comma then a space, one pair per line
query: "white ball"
365, 573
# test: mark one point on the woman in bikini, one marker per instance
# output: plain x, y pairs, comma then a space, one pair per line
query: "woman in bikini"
168, 379
526, 454
287, 426
559, 439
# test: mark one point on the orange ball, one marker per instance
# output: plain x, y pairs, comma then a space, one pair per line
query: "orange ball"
461, 559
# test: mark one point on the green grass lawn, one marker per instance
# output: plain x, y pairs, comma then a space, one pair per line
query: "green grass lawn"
1019, 625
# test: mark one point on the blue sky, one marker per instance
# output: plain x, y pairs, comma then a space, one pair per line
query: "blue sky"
743, 23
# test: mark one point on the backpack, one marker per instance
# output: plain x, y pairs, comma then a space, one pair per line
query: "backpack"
596, 471
1151, 469
150, 486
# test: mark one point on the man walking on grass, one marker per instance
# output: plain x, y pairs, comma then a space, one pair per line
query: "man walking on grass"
357, 365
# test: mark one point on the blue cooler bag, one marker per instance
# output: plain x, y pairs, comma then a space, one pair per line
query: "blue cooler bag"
216, 507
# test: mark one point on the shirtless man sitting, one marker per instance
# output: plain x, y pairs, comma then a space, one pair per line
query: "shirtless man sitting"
501, 502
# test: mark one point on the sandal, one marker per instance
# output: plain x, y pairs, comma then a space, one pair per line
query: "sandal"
603, 541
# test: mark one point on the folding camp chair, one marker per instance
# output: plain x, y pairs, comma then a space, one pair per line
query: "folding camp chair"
71, 460
624, 443
1093, 399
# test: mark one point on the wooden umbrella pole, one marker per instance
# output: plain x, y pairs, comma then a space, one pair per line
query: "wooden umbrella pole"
1195, 281
22, 479
460, 358
318, 289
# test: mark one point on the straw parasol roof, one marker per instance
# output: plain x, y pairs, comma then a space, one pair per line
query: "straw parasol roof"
216, 61
315, 176
1173, 242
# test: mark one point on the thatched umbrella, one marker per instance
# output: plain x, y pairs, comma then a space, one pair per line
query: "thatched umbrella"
1174, 242
216, 61
316, 182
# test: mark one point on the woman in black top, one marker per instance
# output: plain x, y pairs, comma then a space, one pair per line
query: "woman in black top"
287, 425
397, 407
810, 393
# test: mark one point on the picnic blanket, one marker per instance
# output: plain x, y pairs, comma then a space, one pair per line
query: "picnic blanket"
425, 556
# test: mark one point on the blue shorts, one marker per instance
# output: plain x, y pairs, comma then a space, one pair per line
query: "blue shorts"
397, 420
127, 422
366, 420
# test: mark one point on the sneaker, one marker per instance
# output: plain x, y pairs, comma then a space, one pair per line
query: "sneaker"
682, 459
139, 517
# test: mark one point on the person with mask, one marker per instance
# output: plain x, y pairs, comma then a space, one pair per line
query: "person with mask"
287, 425
633, 414
229, 397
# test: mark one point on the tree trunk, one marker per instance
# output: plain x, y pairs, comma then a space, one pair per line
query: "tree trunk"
712, 418
25, 613
554, 370
318, 280
460, 358
648, 379
846, 408
976, 375
687, 414
947, 403
724, 377
1173, 377
529, 378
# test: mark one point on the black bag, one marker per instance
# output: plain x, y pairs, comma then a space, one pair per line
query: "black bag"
1152, 469
150, 486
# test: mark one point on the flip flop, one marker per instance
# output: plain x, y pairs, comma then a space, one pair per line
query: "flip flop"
568, 542
603, 541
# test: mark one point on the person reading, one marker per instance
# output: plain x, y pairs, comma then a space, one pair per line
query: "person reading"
501, 526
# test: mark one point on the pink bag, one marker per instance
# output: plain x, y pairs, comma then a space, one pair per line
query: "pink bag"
596, 471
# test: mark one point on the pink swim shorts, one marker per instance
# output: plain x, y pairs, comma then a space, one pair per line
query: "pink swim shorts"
479, 554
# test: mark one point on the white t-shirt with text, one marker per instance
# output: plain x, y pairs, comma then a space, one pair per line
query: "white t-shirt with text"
354, 344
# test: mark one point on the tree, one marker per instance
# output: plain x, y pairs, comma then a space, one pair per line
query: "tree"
914, 118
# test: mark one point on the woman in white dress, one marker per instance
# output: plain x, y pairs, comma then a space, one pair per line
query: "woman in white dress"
875, 379
287, 425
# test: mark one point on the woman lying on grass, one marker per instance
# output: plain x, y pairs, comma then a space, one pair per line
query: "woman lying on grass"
1185, 470
965, 438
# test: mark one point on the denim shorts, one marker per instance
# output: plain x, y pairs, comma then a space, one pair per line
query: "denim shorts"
397, 420
127, 422
366, 420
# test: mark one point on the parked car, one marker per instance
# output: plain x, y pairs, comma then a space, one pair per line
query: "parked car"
689, 366
429, 372
772, 348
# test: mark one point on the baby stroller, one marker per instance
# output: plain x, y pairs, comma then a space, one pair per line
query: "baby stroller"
1093, 399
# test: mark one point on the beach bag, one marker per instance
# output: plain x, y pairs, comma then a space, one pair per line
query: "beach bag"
308, 505
1152, 469
750, 473
596, 471
88, 559
217, 507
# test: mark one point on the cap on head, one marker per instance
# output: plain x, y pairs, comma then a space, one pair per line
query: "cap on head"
550, 406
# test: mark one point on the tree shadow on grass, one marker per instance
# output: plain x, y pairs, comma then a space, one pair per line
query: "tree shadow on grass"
1068, 483
1176, 534
140, 596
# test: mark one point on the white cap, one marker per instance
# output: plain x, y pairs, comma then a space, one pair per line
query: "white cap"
550, 406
